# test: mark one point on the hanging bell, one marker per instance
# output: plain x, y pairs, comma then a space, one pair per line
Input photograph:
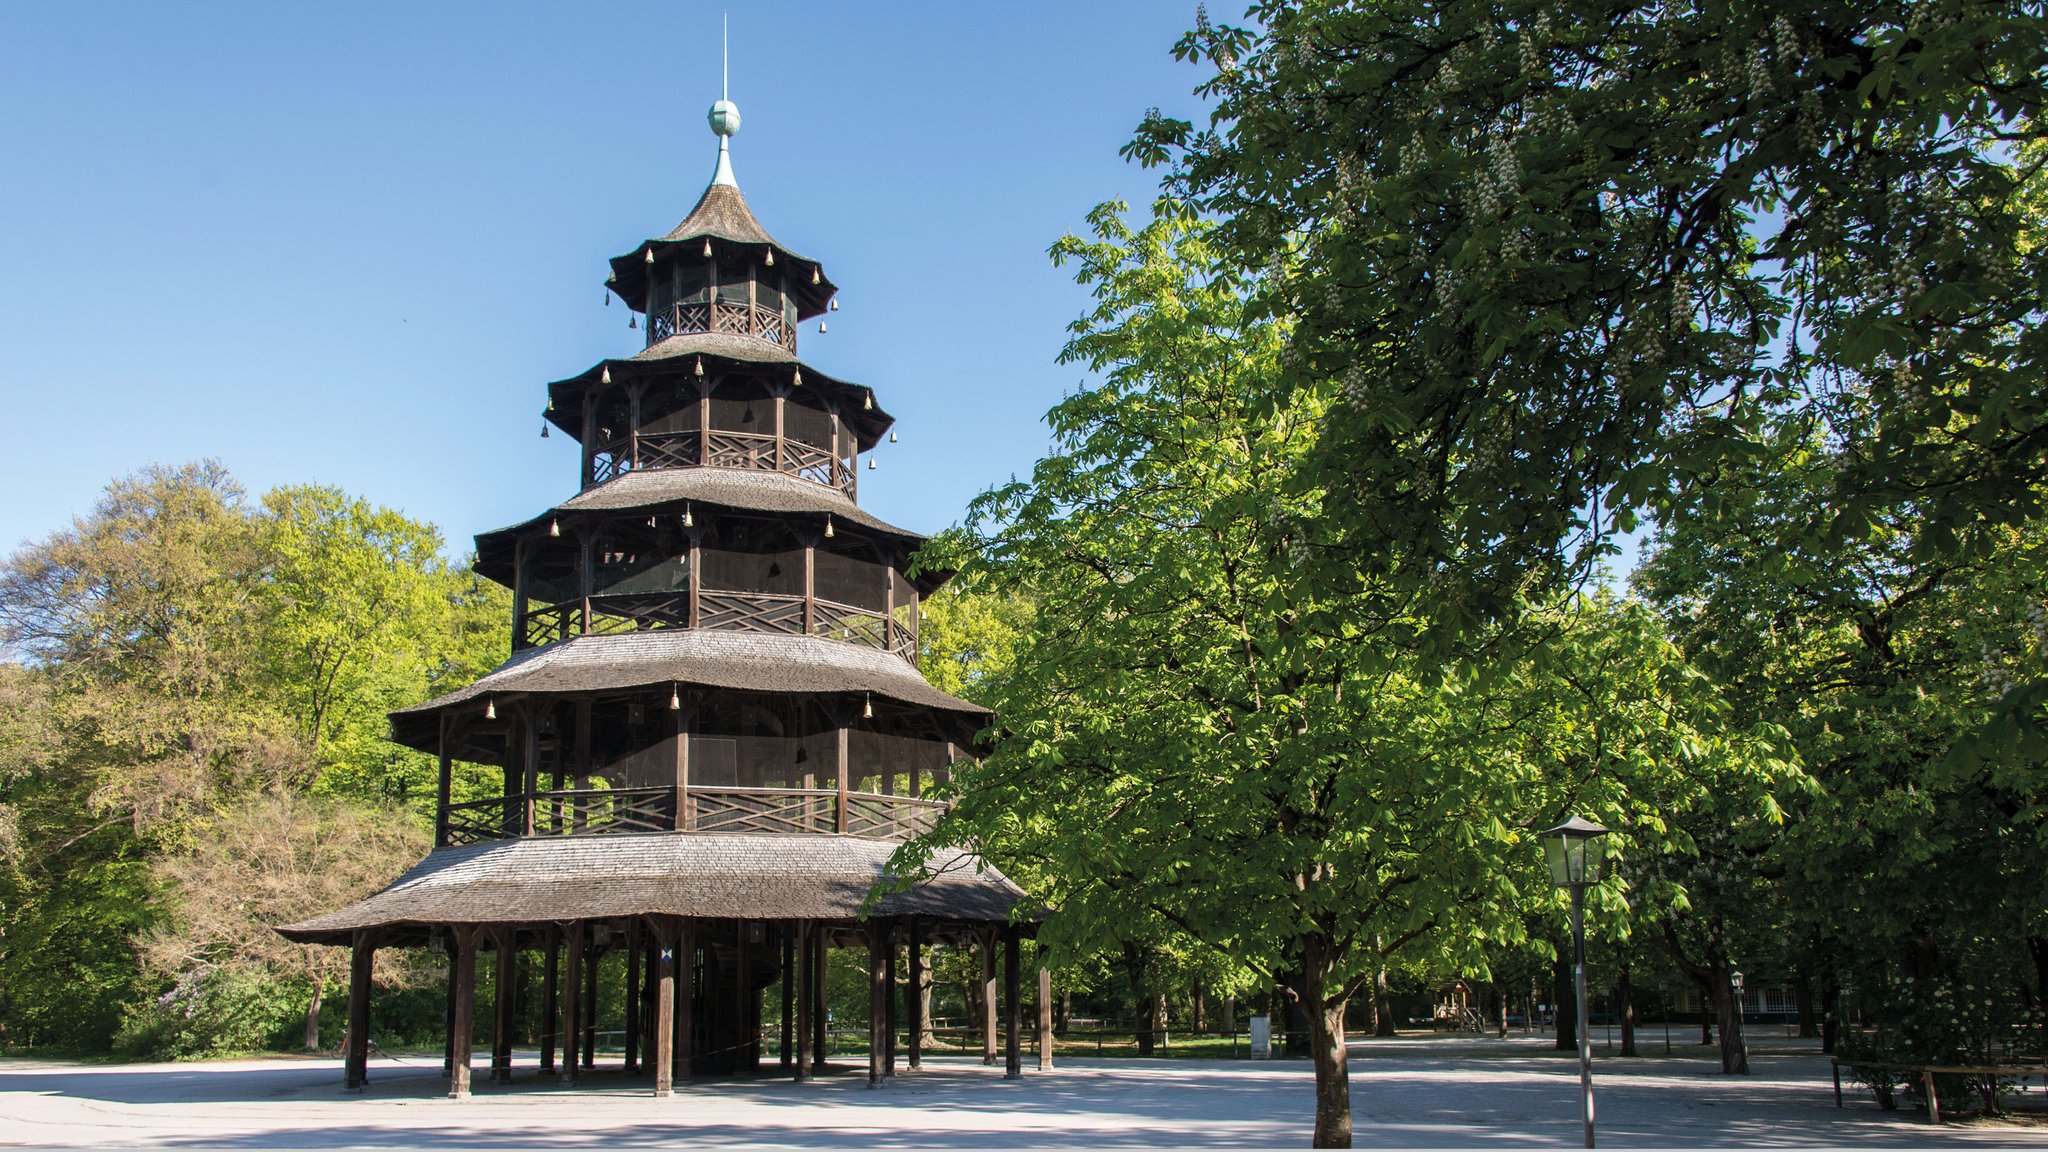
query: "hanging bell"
835, 303
796, 379
821, 326
675, 699
651, 523
607, 297
867, 707
606, 376
543, 427
867, 402
632, 321
828, 527
699, 370
688, 520
892, 437
650, 253
871, 463
707, 249
814, 274
770, 261
490, 709
554, 527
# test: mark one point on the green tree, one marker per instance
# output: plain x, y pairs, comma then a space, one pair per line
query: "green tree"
1549, 265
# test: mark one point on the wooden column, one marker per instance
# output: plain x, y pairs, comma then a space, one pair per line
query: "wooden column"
520, 596
1013, 1006
696, 576
788, 993
586, 570
842, 822
988, 997
463, 1032
889, 995
355, 1062
806, 999
572, 1004
686, 997
781, 452
632, 998
530, 776
1045, 1020
810, 588
503, 945
448, 1017
820, 968
589, 437
877, 996
683, 822
913, 993
590, 968
744, 1000
664, 1008
551, 967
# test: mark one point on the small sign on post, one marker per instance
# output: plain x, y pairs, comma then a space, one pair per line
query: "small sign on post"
1262, 1038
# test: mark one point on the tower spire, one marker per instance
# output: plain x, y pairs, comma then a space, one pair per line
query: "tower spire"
725, 115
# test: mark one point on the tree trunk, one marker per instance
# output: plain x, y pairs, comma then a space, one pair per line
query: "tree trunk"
1325, 1017
2037, 947
1707, 1002
1565, 1005
1201, 1007
1066, 1012
1138, 965
313, 1015
1159, 1021
1625, 1006
1728, 1011
1831, 1015
1383, 1010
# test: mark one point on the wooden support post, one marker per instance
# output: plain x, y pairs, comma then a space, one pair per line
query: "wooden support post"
988, 997
913, 993
1045, 1020
788, 982
806, 998
448, 1017
889, 994
664, 1008
744, 1000
591, 965
820, 968
632, 997
572, 1004
530, 777
503, 946
355, 1063
683, 822
550, 1014
842, 820
686, 998
442, 787
463, 1032
877, 1011
1013, 1005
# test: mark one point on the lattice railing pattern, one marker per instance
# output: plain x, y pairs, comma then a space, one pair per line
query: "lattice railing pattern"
763, 810
474, 821
737, 318
890, 817
751, 612
750, 450
851, 624
596, 811
602, 811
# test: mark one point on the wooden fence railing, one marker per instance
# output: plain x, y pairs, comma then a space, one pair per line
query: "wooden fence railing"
599, 811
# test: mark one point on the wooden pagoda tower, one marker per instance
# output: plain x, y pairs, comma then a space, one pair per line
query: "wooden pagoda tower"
711, 733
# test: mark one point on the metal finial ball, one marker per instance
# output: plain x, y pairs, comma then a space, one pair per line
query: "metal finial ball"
725, 118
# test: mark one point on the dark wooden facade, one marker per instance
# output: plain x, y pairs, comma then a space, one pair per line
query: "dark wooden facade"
711, 705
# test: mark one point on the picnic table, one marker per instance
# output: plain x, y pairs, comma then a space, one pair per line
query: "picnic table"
1926, 1073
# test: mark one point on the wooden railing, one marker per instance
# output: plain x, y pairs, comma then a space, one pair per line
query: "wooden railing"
746, 451
777, 613
603, 811
732, 318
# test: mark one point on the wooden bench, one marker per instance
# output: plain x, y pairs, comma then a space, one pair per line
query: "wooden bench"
1927, 1073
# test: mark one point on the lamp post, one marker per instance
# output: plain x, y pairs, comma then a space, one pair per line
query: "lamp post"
1575, 854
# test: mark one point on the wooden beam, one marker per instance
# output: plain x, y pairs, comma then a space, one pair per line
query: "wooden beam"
549, 994
503, 941
914, 993
889, 1002
686, 997
463, 1031
441, 788
988, 997
355, 1063
664, 1007
590, 971
632, 997
806, 997
572, 1004
841, 824
788, 982
1013, 1005
1045, 1020
877, 1012
683, 822
820, 969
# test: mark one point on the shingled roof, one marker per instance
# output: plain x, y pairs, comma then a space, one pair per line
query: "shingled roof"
722, 214
649, 489
699, 874
747, 661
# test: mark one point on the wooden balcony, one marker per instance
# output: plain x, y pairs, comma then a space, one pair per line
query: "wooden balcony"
607, 811
777, 613
733, 318
755, 451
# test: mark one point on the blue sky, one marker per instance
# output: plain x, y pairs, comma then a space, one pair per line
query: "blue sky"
350, 244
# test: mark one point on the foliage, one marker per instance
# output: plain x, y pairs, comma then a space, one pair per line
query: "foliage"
1547, 266
190, 751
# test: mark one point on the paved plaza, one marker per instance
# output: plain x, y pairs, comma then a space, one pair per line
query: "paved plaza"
1424, 1091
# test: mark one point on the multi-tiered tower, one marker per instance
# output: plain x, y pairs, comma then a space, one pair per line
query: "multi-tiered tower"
711, 734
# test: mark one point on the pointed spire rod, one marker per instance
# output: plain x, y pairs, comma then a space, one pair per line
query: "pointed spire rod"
725, 115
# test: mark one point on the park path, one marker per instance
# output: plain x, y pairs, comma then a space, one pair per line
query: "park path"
1441, 1091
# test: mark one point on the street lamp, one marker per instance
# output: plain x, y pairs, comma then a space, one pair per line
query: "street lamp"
1575, 854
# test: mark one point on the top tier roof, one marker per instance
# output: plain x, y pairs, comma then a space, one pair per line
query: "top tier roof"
721, 217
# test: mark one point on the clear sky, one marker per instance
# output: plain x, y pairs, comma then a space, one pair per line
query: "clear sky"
350, 243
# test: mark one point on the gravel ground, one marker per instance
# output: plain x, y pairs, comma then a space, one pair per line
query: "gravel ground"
1419, 1091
